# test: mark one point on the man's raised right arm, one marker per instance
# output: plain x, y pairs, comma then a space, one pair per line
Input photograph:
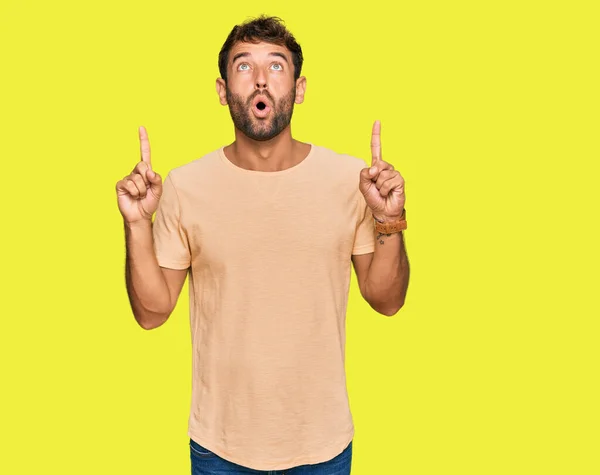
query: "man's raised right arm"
153, 290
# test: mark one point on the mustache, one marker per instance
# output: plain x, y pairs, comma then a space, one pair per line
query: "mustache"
259, 93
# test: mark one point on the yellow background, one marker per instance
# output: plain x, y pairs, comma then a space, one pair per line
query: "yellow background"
488, 109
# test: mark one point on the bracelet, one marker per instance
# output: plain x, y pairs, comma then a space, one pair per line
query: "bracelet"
393, 226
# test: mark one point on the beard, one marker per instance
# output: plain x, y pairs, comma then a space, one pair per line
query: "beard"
261, 129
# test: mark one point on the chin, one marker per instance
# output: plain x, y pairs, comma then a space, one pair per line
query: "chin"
262, 138
263, 134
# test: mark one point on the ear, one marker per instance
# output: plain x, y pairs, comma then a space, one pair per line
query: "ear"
222, 91
300, 89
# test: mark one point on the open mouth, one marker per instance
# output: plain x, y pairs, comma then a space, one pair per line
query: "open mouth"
260, 108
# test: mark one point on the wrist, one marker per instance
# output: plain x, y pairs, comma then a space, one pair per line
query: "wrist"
138, 224
390, 224
386, 219
389, 219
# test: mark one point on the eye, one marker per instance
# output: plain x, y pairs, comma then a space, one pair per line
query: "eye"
279, 66
241, 68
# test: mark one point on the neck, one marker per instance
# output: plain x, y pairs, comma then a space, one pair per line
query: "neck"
271, 155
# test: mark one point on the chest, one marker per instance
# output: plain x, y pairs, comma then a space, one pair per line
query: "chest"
273, 222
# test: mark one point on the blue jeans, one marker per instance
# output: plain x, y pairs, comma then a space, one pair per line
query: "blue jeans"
205, 462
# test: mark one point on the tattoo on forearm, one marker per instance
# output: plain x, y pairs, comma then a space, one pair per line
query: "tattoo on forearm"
381, 241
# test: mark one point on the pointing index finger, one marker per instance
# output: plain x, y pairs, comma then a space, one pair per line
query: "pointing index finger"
376, 142
144, 145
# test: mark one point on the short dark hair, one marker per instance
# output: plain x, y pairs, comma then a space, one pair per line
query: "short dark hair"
264, 28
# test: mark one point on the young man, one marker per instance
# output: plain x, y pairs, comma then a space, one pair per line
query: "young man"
266, 228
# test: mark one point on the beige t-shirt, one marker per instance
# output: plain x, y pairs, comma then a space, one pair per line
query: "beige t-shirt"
269, 257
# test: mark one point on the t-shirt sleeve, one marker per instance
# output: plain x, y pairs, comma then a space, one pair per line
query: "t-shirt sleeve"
170, 239
364, 239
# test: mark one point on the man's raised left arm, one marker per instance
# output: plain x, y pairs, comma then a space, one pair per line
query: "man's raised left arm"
383, 275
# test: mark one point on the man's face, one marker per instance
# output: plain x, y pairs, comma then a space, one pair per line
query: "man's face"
260, 90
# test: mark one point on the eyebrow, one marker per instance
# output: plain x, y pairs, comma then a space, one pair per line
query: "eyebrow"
244, 54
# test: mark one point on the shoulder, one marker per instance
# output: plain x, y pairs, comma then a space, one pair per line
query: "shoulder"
341, 161
339, 173
190, 172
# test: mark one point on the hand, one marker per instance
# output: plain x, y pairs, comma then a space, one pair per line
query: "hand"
139, 192
381, 185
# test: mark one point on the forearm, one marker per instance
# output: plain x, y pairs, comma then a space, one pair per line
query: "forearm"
387, 279
146, 286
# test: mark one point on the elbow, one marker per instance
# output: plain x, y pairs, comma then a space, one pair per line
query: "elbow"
385, 302
389, 309
149, 321
396, 310
390, 312
150, 325
151, 318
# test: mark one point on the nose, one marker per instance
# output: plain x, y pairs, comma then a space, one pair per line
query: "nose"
261, 80
261, 84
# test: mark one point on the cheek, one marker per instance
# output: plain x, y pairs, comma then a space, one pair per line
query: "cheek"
242, 86
284, 91
286, 85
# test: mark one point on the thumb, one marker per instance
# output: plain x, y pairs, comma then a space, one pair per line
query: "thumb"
366, 176
365, 180
153, 177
